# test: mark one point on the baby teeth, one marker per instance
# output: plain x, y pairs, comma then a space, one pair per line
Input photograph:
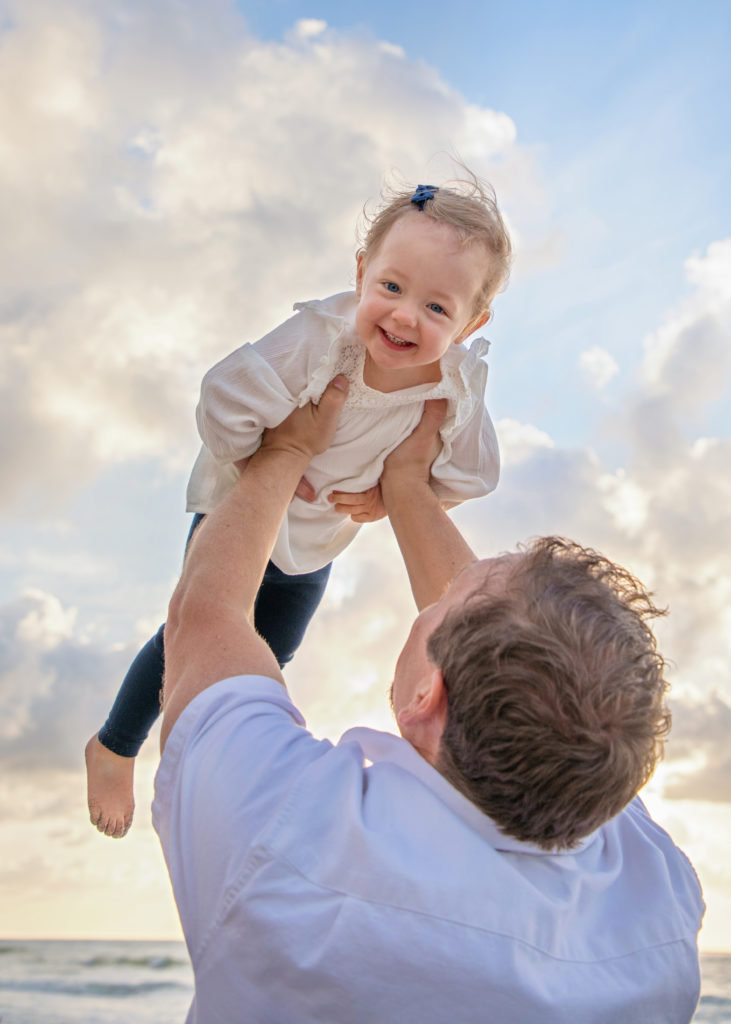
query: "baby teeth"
396, 341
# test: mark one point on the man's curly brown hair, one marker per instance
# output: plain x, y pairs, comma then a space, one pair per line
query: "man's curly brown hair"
556, 712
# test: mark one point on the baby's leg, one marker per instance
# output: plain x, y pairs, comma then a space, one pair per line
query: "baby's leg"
284, 607
110, 753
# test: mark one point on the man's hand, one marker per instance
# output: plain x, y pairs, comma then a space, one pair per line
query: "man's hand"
309, 430
412, 460
362, 506
306, 431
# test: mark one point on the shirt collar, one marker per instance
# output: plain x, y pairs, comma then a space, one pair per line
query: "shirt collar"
385, 747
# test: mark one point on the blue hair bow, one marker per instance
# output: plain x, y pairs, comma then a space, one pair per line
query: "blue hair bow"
422, 194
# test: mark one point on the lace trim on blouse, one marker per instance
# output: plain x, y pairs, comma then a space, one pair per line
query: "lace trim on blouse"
346, 355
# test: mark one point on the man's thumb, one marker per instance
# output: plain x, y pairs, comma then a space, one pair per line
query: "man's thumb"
435, 409
335, 393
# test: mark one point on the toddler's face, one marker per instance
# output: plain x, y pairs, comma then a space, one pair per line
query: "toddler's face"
417, 296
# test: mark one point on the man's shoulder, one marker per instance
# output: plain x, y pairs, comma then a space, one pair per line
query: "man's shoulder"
218, 722
643, 838
236, 752
237, 697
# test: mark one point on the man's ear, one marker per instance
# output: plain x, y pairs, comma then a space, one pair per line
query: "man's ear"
475, 324
423, 719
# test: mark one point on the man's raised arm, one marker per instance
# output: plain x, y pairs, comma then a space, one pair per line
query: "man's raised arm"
433, 549
209, 634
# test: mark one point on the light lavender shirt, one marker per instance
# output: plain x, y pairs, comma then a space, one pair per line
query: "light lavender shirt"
352, 883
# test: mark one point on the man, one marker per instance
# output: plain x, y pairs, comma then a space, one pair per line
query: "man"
491, 864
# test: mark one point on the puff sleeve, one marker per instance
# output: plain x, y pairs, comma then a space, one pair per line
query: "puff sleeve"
468, 465
240, 397
256, 387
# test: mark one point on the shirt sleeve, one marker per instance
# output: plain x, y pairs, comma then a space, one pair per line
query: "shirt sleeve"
468, 465
227, 770
256, 387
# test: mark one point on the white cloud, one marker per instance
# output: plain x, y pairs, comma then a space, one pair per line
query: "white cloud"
46, 623
688, 356
308, 28
598, 367
520, 441
625, 500
55, 686
186, 191
165, 177
711, 274
698, 758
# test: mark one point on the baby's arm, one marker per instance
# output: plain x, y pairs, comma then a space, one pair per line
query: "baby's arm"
365, 506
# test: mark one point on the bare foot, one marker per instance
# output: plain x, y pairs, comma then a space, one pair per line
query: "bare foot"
110, 789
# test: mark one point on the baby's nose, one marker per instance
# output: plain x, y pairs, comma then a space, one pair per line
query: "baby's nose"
405, 314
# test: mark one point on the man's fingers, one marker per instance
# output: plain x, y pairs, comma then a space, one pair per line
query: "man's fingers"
426, 433
327, 412
416, 453
333, 397
309, 429
435, 409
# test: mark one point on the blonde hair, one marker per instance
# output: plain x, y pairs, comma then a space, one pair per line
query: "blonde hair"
469, 206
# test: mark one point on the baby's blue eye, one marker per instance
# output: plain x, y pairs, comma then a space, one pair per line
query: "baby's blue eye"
435, 307
391, 287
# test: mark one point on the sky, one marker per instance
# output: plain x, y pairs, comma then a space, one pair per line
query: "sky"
173, 177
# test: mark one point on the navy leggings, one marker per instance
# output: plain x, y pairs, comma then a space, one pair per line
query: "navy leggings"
282, 612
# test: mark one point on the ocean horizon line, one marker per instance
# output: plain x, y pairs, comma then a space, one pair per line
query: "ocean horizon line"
92, 938
704, 951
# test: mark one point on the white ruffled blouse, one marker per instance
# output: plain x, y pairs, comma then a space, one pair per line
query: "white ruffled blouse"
258, 385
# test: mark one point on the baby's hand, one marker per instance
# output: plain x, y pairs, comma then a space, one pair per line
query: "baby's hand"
305, 490
363, 507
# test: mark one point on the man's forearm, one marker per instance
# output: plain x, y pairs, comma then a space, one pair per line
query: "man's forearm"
229, 552
209, 634
433, 549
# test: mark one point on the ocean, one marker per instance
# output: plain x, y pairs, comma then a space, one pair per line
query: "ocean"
90, 982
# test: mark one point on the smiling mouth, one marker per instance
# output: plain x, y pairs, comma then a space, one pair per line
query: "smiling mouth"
398, 342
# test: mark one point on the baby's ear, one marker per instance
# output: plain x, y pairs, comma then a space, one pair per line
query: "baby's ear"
478, 321
359, 271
